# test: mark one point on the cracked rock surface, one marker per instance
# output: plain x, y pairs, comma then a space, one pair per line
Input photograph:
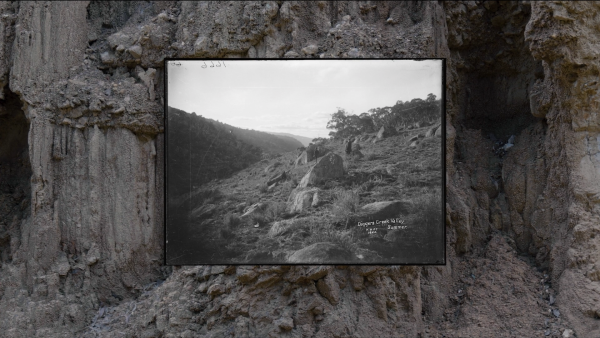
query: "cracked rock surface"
81, 180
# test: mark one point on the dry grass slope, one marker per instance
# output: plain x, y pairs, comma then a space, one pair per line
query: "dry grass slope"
389, 171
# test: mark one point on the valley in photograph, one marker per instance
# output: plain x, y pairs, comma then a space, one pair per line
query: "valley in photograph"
314, 162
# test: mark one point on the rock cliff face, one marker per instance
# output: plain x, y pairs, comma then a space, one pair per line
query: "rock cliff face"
81, 172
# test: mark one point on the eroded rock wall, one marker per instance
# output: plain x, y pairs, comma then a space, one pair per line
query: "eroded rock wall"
564, 36
534, 64
82, 256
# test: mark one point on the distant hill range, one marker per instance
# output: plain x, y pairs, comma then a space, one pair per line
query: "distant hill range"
269, 143
201, 149
304, 140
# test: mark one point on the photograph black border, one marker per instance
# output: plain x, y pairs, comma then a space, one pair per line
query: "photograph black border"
443, 154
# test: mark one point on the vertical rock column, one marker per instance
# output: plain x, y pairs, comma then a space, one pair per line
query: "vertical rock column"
562, 36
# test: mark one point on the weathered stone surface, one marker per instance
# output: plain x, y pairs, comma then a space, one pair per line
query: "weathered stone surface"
216, 289
40, 35
321, 252
327, 167
301, 275
316, 201
280, 227
310, 50
433, 131
329, 288
276, 178
135, 51
246, 274
382, 210
285, 324
301, 199
310, 154
256, 207
385, 132
291, 54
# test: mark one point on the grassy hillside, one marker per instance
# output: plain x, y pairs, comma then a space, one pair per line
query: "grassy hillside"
390, 170
271, 144
198, 151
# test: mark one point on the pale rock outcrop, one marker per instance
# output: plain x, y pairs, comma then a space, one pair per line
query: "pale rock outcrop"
310, 50
385, 132
317, 199
310, 153
277, 178
383, 210
254, 208
433, 131
302, 198
327, 167
280, 227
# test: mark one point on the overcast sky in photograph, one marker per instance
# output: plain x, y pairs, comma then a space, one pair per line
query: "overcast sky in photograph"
296, 96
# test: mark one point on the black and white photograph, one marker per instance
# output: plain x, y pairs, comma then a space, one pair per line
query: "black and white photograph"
305, 162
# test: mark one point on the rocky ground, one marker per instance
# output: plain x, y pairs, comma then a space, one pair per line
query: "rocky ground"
392, 169
81, 234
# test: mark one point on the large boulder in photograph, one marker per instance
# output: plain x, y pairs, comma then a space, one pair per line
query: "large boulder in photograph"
327, 167
382, 210
276, 178
311, 152
321, 253
281, 227
256, 207
302, 159
431, 132
385, 132
301, 199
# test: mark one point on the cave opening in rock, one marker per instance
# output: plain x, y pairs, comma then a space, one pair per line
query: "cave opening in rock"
15, 172
497, 73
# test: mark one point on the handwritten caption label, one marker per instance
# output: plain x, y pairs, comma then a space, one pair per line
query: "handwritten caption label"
212, 64
371, 227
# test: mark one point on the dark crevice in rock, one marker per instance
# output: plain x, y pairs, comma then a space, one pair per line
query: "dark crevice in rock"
15, 173
498, 72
